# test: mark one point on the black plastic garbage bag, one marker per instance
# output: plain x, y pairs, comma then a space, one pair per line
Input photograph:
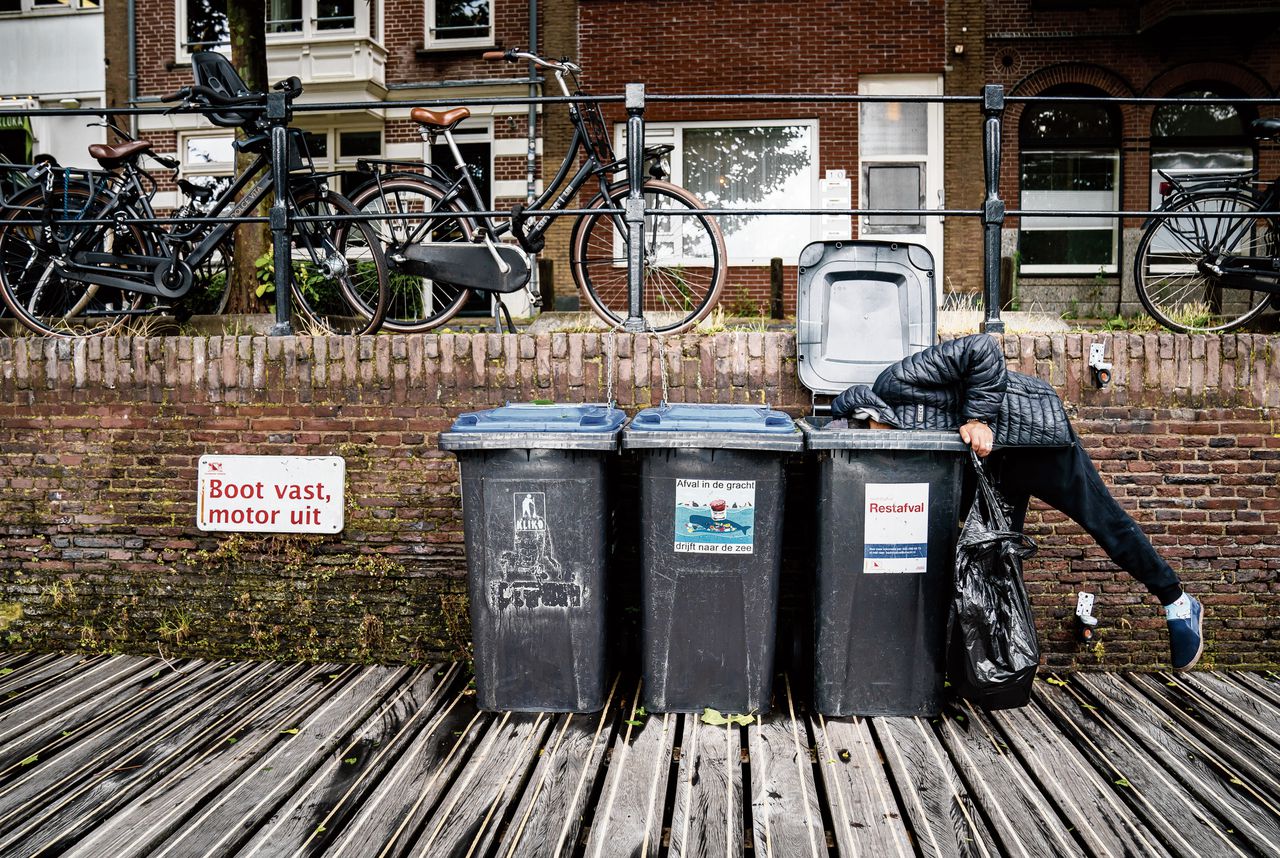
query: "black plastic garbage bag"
994, 652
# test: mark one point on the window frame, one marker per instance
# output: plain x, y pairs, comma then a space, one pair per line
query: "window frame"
673, 133
30, 8
363, 27
1110, 148
431, 42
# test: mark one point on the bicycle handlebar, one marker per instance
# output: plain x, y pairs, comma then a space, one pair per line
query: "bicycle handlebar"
513, 54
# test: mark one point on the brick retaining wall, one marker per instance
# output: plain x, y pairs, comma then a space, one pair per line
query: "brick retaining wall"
99, 441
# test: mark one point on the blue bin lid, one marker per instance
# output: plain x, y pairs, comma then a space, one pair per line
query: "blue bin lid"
691, 417
712, 426
534, 425
542, 417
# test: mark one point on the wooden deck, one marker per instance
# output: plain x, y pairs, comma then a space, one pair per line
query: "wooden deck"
117, 756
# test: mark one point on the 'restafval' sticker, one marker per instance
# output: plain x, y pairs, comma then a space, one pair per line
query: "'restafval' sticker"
896, 528
715, 516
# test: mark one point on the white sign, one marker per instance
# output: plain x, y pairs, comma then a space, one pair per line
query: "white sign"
271, 494
896, 530
715, 516
836, 192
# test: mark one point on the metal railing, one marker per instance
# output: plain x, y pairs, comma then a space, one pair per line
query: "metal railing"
992, 211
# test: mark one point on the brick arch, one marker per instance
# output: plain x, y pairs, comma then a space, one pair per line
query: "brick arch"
1086, 73
1241, 77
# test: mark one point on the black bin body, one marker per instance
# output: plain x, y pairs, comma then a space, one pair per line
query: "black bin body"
535, 520
887, 515
712, 488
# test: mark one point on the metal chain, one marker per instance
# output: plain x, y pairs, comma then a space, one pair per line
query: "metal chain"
662, 364
612, 340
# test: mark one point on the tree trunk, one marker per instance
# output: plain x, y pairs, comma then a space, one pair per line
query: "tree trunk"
246, 23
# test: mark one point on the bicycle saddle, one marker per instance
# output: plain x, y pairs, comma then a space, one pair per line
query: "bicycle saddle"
112, 156
1265, 128
439, 118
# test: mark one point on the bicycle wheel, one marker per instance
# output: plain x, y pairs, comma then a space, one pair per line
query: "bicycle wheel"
209, 281
1170, 265
338, 271
683, 262
34, 288
415, 303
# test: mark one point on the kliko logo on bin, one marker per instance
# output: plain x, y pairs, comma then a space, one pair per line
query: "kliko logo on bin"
529, 575
715, 516
896, 530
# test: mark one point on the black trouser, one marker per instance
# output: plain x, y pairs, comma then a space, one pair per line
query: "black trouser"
1066, 479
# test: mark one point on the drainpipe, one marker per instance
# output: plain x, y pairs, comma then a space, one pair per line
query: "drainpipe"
531, 157
133, 65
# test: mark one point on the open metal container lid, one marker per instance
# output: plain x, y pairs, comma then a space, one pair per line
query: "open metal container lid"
726, 427
861, 306
538, 426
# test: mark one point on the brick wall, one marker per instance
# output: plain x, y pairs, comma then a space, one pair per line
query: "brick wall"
99, 441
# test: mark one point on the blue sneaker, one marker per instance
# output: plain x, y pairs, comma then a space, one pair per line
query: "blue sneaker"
1186, 639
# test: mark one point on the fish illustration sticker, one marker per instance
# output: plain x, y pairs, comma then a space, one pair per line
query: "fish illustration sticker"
896, 532
715, 516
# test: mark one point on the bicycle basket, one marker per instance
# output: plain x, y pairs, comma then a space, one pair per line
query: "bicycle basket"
597, 133
215, 71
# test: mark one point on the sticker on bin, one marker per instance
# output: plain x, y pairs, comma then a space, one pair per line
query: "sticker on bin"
715, 516
529, 575
896, 529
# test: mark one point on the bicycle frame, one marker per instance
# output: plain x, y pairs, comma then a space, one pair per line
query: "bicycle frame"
152, 274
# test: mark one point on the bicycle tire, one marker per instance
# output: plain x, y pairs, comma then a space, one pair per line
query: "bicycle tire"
415, 303
1178, 294
209, 294
338, 273
38, 296
684, 266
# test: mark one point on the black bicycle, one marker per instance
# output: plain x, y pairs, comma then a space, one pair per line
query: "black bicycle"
1213, 264
439, 247
81, 251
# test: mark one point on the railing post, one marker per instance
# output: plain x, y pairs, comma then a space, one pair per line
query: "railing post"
992, 207
634, 209
278, 113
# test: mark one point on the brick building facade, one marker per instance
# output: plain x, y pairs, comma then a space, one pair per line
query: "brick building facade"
775, 154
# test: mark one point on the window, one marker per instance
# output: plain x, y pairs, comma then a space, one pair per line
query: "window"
288, 16
1194, 139
459, 23
1070, 161
746, 164
202, 24
16, 6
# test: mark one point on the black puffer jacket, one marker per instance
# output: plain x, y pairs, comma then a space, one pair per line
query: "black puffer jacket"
958, 381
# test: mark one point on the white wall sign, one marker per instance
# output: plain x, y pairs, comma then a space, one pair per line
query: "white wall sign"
896, 530
271, 494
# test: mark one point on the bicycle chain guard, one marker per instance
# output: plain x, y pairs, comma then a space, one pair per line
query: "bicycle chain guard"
172, 278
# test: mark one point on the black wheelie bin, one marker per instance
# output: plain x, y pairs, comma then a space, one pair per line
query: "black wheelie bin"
535, 521
888, 501
712, 486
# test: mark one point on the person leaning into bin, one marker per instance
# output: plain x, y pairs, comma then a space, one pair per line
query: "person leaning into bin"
964, 384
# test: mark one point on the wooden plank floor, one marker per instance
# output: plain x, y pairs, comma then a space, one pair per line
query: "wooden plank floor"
119, 756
